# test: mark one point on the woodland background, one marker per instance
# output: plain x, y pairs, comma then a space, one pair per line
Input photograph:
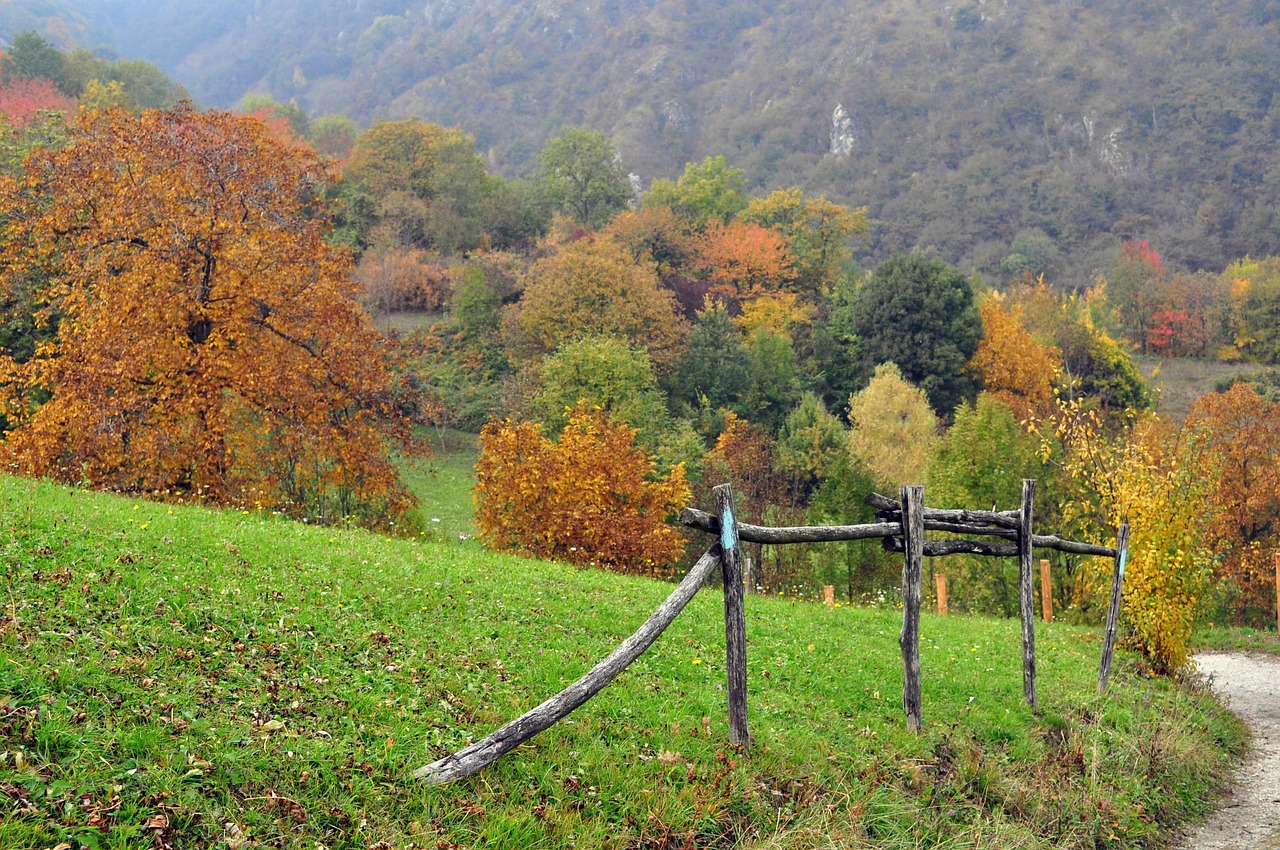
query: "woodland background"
808, 302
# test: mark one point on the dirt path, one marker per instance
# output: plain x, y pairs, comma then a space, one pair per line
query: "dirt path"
1249, 818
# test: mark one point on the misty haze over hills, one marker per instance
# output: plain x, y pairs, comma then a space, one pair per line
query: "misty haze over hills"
960, 124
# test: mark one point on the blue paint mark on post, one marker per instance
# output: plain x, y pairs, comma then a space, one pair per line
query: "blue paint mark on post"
728, 529
1124, 556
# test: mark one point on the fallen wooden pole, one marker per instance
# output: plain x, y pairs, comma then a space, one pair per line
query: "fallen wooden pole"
482, 753
912, 566
735, 618
1113, 609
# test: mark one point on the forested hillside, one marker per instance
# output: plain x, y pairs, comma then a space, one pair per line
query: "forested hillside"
960, 124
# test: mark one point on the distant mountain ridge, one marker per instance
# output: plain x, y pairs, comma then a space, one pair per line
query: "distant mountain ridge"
960, 124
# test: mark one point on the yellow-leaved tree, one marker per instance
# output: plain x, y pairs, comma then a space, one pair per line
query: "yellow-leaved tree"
892, 428
1152, 476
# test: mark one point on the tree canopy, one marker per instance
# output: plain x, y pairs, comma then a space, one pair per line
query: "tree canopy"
919, 314
204, 339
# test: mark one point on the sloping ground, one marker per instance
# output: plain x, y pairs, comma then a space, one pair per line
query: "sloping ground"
1179, 381
172, 676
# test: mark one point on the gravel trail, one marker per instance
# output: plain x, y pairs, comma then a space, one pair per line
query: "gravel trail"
1249, 815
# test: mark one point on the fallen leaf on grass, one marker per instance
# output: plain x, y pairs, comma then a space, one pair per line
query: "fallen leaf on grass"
235, 837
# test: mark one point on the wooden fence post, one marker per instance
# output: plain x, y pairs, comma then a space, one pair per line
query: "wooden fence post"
940, 579
1046, 591
829, 594
1027, 592
735, 620
1277, 561
1113, 610
912, 502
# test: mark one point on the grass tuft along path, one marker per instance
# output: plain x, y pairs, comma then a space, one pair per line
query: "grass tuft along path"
178, 677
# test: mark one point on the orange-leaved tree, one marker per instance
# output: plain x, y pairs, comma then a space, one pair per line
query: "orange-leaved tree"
1244, 532
1012, 366
589, 498
203, 338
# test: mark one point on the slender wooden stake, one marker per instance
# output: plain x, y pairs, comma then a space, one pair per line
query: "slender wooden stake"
1113, 610
829, 594
1027, 592
735, 619
484, 752
912, 501
1277, 560
1046, 591
940, 579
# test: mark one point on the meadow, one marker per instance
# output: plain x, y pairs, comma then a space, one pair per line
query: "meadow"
172, 676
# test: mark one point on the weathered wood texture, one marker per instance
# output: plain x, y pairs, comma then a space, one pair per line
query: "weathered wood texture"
703, 521
482, 753
1005, 519
1026, 591
1046, 591
1113, 609
735, 619
912, 500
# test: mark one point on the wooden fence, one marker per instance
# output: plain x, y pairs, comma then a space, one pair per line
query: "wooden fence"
901, 526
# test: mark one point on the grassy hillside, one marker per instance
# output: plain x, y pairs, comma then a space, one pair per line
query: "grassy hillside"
175, 677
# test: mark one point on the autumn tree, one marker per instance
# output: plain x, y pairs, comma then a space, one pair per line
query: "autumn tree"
417, 185
920, 315
1011, 365
1152, 476
818, 233
1133, 288
591, 286
23, 99
743, 260
588, 498
580, 175
1244, 529
892, 428
1260, 310
205, 343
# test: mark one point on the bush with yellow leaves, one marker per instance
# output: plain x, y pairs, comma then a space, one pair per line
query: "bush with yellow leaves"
1150, 475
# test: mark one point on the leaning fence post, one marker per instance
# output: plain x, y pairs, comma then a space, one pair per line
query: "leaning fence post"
1027, 592
1113, 610
735, 620
912, 502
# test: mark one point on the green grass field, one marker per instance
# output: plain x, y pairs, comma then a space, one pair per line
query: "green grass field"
179, 677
